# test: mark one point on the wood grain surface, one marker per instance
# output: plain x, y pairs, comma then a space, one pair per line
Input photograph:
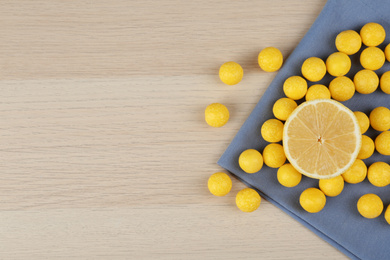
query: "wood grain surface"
104, 152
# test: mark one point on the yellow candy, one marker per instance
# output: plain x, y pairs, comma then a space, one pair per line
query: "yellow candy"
317, 91
250, 161
378, 174
348, 42
295, 87
363, 120
366, 81
370, 205
248, 200
357, 173
387, 52
270, 59
216, 115
387, 214
385, 82
272, 131
288, 176
283, 108
313, 69
338, 64
231, 73
367, 148
312, 200
380, 119
382, 143
332, 187
273, 155
372, 34
372, 58
342, 88
219, 184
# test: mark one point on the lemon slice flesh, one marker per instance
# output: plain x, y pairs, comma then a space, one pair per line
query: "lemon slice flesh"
321, 138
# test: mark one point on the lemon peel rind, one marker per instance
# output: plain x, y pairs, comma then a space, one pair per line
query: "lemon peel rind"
353, 156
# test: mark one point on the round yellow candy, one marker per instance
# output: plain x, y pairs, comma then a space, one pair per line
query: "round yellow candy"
387, 215
332, 187
380, 119
372, 34
248, 200
272, 130
250, 161
317, 91
382, 143
387, 52
219, 184
231, 73
338, 64
283, 108
270, 59
370, 205
274, 156
288, 176
372, 58
312, 200
378, 174
216, 115
385, 82
348, 42
367, 148
366, 81
313, 69
356, 173
295, 87
363, 120
342, 88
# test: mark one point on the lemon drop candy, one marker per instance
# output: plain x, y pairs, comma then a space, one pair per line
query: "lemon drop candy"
317, 91
219, 184
382, 143
367, 148
313, 69
216, 115
372, 34
366, 81
272, 130
380, 119
372, 58
387, 215
363, 120
312, 200
370, 205
338, 64
348, 42
295, 87
231, 73
387, 52
342, 88
248, 200
283, 108
270, 59
357, 173
384, 82
250, 161
378, 174
288, 176
332, 187
273, 155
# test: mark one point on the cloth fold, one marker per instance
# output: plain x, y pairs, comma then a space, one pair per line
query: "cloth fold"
339, 223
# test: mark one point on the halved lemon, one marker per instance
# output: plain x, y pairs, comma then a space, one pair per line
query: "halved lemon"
321, 138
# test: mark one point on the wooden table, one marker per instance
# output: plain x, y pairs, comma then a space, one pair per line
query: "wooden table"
104, 152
